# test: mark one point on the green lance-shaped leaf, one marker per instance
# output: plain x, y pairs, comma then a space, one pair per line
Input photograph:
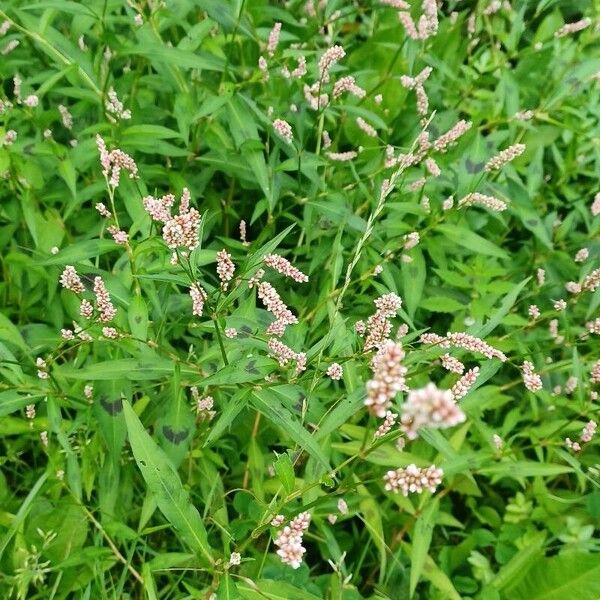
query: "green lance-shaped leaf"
164, 482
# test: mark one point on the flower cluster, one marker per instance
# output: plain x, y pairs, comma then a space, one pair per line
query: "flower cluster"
463, 340
482, 199
378, 325
284, 267
289, 540
388, 378
510, 153
107, 311
429, 407
180, 230
225, 268
198, 296
452, 364
413, 479
462, 387
532, 381
275, 305
284, 354
335, 371
114, 162
71, 281
386, 426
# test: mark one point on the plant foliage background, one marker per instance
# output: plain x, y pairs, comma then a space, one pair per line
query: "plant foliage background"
112, 484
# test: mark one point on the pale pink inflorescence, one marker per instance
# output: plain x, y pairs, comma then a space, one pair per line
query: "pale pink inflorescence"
243, 233
388, 378
225, 268
532, 381
533, 311
347, 84
273, 41
335, 371
289, 540
378, 325
595, 208
119, 236
411, 240
588, 431
86, 309
115, 107
432, 167
329, 58
284, 354
465, 341
298, 72
235, 559
101, 208
447, 139
462, 387
181, 230
498, 441
110, 332
342, 156
413, 479
198, 296
71, 281
429, 407
104, 305
504, 157
365, 127
595, 376
541, 276
582, 255
570, 28
593, 326
592, 281
264, 68
114, 162
10, 137
277, 520
386, 426
284, 267
284, 130
273, 303
42, 368
230, 332
452, 364
490, 202
31, 101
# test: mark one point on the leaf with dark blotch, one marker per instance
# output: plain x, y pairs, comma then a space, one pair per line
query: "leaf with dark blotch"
251, 368
112, 408
473, 167
175, 437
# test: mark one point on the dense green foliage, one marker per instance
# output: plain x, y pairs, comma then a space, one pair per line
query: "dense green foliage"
124, 489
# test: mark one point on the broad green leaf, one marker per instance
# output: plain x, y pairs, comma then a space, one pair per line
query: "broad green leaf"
442, 304
507, 303
12, 400
266, 589
413, 281
569, 575
421, 540
470, 240
523, 468
285, 472
518, 566
164, 483
269, 404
